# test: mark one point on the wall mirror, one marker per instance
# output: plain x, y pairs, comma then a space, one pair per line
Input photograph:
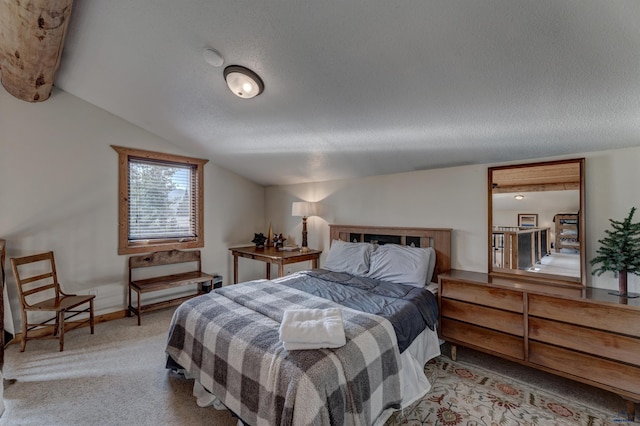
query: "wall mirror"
537, 221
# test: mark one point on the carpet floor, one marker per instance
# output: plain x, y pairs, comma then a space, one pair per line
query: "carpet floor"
113, 377
465, 394
117, 377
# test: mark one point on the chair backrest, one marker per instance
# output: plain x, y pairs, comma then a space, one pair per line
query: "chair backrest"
36, 277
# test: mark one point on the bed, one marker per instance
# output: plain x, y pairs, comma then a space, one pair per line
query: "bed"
376, 278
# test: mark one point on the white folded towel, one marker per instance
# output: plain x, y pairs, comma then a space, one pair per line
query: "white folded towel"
308, 346
312, 329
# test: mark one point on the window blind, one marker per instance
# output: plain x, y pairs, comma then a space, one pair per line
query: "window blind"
162, 202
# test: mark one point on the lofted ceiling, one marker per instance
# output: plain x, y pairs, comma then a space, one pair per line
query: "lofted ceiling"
358, 88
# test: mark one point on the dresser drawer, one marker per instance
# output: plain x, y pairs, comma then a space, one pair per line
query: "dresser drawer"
495, 319
617, 375
601, 343
603, 317
490, 340
507, 300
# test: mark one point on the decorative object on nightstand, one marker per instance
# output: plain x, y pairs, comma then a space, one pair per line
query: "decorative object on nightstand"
304, 209
620, 253
259, 240
270, 236
278, 241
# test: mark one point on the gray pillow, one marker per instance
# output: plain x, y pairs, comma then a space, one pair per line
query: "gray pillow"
352, 258
402, 264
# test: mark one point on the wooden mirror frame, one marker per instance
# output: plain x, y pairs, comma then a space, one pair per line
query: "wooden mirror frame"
542, 184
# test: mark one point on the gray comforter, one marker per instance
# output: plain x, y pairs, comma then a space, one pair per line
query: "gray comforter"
228, 341
410, 309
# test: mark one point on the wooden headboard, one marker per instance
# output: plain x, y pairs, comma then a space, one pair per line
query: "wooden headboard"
438, 238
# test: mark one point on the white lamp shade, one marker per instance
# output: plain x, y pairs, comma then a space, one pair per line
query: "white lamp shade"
304, 209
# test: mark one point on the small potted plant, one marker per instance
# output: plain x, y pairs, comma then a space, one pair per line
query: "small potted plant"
620, 252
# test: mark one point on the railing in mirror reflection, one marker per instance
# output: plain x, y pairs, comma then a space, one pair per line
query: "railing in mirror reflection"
516, 247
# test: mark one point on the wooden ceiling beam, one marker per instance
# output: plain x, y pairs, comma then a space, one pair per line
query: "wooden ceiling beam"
544, 177
559, 186
31, 40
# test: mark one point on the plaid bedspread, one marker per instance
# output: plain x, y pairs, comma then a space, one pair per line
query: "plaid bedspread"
228, 341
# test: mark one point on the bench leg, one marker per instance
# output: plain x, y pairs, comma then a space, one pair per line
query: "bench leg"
129, 310
139, 313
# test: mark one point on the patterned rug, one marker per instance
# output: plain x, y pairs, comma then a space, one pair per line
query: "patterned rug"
467, 395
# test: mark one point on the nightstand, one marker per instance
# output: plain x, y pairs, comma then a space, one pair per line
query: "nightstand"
271, 255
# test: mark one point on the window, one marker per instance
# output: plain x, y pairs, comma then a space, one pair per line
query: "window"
160, 201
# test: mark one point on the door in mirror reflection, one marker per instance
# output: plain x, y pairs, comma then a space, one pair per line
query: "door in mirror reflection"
537, 220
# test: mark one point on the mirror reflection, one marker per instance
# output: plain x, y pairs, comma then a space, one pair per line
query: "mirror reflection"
536, 220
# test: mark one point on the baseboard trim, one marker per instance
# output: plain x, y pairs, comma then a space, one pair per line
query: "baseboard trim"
98, 319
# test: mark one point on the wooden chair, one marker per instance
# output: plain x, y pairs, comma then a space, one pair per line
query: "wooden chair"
40, 291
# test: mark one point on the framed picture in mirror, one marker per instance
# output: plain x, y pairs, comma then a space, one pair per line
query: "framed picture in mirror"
527, 220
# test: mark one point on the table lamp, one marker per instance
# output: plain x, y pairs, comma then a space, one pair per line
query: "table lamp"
304, 209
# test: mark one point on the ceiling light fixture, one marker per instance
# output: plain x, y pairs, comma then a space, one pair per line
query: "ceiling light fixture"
519, 197
243, 82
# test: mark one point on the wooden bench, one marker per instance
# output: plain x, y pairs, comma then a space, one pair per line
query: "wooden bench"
161, 258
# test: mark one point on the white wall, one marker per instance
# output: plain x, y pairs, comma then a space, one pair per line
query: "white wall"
443, 198
58, 191
455, 198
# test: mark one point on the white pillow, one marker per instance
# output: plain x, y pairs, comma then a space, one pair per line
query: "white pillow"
352, 258
402, 264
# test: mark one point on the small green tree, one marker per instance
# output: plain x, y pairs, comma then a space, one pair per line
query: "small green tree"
619, 251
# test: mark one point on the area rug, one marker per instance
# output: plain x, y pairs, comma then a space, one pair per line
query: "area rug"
463, 394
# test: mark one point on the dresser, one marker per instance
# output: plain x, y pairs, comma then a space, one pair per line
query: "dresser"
584, 334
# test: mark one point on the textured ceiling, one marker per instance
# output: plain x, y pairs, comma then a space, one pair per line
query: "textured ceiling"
360, 87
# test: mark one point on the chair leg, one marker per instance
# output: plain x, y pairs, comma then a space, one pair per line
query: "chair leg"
91, 315
56, 328
23, 344
61, 329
